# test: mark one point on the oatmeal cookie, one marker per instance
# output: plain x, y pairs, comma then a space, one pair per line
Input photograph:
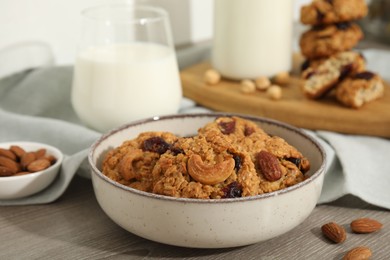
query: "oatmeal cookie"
247, 139
359, 89
221, 161
323, 41
318, 81
332, 11
208, 165
132, 162
246, 136
313, 63
171, 178
220, 151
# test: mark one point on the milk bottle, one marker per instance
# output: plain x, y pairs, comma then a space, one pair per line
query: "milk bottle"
252, 38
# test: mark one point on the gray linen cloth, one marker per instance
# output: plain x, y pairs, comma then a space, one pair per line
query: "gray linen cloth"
35, 106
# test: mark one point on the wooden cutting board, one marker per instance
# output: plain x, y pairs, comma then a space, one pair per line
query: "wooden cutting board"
294, 108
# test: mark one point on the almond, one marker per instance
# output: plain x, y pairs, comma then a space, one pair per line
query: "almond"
10, 164
334, 232
26, 159
50, 158
40, 153
8, 154
21, 173
365, 225
269, 165
358, 253
38, 165
4, 171
17, 150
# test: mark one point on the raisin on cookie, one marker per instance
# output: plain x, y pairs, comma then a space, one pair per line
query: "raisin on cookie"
318, 81
324, 41
332, 11
359, 89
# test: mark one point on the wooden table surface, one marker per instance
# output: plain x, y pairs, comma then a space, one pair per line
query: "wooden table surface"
75, 227
293, 108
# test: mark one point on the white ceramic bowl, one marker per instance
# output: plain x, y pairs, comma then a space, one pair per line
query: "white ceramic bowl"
206, 223
15, 187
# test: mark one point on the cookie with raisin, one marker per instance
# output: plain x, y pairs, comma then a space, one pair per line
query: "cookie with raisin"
359, 89
319, 81
132, 162
332, 11
326, 40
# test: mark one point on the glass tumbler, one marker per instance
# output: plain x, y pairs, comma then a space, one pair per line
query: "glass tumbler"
126, 67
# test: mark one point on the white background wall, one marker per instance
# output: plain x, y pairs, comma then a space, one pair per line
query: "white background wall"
57, 22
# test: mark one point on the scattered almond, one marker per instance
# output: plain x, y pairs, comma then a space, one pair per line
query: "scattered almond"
365, 225
358, 253
334, 232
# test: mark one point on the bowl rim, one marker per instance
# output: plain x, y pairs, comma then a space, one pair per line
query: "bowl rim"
315, 175
32, 175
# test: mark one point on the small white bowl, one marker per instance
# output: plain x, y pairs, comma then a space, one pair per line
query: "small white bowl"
15, 187
214, 223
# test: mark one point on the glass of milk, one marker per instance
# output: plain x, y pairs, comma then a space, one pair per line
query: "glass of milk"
252, 38
126, 67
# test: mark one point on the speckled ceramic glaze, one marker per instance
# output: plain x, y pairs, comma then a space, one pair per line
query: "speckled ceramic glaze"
207, 223
15, 187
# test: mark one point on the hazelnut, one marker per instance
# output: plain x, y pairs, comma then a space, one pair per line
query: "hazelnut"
262, 83
212, 77
282, 78
274, 92
248, 86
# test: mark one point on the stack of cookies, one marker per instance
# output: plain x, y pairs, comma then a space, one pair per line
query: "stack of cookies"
331, 64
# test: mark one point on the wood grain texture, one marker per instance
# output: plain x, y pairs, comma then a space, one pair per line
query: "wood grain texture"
75, 227
294, 107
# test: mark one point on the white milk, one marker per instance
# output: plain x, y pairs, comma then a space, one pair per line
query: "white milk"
116, 84
252, 38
